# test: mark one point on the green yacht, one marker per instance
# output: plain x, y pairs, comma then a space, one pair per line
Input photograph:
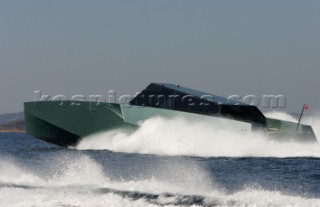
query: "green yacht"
65, 123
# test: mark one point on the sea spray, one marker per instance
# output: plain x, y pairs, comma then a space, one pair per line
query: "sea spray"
182, 182
80, 180
76, 169
12, 172
178, 136
314, 121
281, 115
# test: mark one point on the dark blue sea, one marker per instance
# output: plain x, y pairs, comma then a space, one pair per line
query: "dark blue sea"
35, 173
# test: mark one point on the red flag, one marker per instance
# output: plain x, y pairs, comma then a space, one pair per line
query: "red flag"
305, 107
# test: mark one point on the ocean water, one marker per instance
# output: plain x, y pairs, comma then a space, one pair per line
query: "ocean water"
163, 163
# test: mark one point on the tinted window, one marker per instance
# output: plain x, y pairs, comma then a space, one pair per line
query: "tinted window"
243, 113
161, 97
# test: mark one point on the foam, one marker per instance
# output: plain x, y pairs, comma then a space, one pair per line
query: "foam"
178, 136
183, 185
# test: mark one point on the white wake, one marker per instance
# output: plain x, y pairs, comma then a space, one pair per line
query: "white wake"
178, 136
77, 180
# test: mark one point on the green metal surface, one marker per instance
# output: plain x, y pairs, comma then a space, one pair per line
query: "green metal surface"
65, 122
55, 121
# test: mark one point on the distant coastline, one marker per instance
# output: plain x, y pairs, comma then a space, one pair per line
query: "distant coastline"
12, 131
12, 122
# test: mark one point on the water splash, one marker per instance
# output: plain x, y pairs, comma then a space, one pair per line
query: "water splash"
178, 136
281, 115
72, 185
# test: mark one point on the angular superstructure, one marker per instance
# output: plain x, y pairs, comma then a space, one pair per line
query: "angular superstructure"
65, 123
178, 98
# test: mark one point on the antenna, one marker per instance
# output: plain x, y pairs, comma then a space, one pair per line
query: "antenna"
305, 107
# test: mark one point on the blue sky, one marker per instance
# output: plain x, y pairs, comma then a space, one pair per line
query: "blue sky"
223, 47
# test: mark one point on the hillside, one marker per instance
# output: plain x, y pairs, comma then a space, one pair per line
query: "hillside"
8, 117
12, 122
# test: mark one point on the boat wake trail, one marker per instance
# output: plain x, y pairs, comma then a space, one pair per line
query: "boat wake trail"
184, 137
81, 181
